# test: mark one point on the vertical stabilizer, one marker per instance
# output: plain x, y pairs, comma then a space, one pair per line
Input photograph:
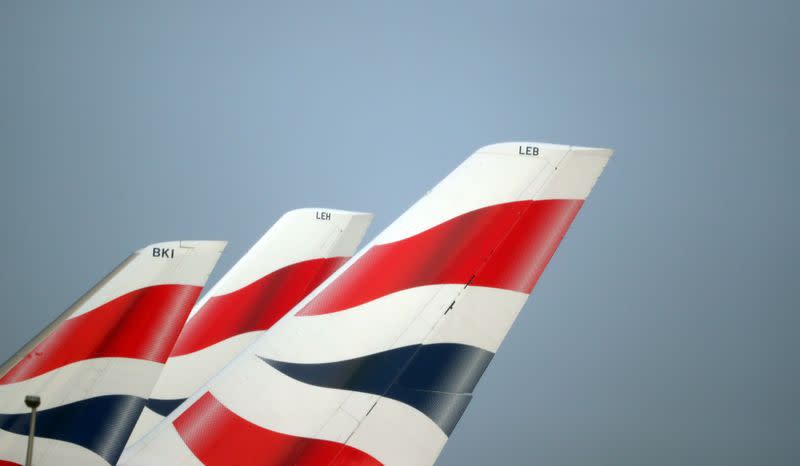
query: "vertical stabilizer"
95, 365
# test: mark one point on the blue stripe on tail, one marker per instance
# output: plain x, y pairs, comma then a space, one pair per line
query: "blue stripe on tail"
436, 379
101, 424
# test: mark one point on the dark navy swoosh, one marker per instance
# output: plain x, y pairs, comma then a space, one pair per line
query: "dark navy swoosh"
435, 379
445, 409
164, 407
101, 424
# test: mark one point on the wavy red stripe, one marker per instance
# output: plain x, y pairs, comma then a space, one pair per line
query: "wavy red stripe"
257, 306
519, 237
8, 463
219, 437
142, 324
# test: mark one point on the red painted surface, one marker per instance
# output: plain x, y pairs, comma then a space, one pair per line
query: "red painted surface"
256, 306
142, 324
503, 246
219, 437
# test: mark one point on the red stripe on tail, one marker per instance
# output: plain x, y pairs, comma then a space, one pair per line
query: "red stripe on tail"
256, 306
219, 437
142, 324
521, 258
520, 237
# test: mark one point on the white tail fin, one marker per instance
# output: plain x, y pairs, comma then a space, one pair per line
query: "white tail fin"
378, 365
293, 257
95, 365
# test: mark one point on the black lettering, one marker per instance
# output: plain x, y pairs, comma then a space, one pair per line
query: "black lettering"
167, 253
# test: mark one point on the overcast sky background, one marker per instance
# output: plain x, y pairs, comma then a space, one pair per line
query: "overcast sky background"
665, 330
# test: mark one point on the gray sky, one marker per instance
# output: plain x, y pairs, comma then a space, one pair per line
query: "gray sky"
664, 331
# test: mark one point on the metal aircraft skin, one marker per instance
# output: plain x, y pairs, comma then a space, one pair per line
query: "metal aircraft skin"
95, 365
302, 249
138, 326
377, 365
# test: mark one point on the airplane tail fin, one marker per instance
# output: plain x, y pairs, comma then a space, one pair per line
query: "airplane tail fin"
378, 364
95, 365
292, 258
